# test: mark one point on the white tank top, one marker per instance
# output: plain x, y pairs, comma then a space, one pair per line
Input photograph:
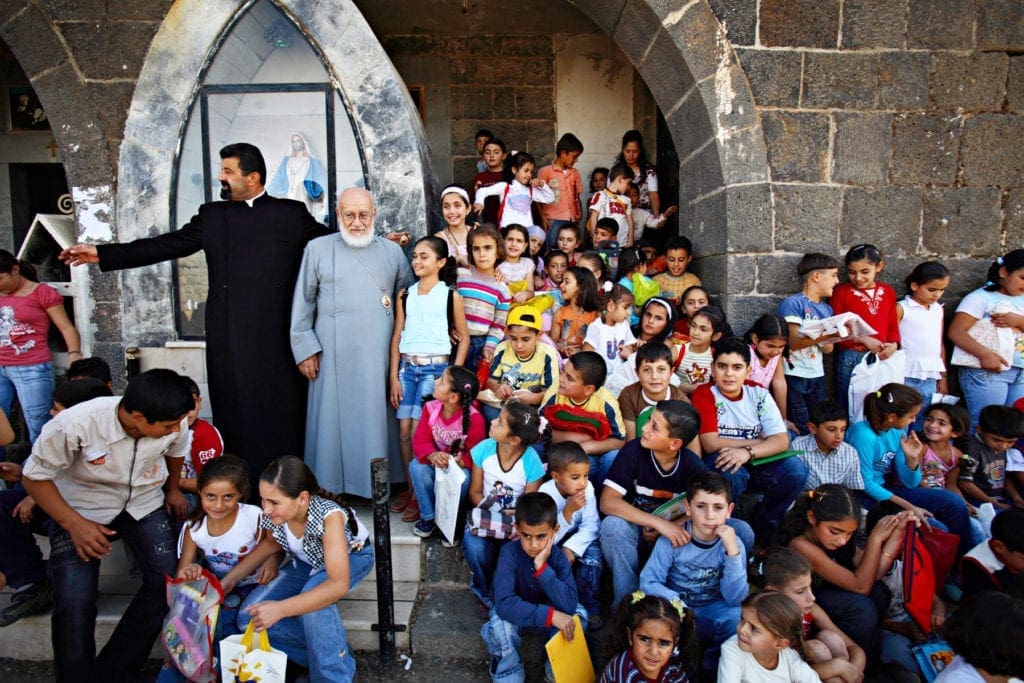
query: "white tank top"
426, 322
224, 552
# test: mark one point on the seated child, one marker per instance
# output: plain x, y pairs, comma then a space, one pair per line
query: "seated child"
610, 335
205, 444
448, 430
605, 230
987, 647
581, 410
998, 563
521, 368
655, 257
741, 424
533, 588
138, 438
649, 472
637, 401
828, 458
578, 523
696, 356
830, 652
708, 571
675, 280
767, 645
653, 641
505, 466
993, 455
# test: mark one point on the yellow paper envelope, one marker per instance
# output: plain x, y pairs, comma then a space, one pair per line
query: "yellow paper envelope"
570, 662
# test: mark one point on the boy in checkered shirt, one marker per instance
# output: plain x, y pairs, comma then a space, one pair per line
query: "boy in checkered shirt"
829, 459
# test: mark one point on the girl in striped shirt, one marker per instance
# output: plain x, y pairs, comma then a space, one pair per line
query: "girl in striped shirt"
484, 299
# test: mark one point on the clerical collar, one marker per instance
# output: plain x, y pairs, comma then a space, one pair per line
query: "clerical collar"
250, 201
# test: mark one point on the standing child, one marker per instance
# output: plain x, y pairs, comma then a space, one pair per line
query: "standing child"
920, 317
643, 218
421, 347
518, 268
768, 338
518, 194
998, 375
485, 299
611, 336
598, 182
805, 371
582, 303
578, 523
565, 181
830, 652
533, 589
767, 646
612, 202
568, 241
330, 554
495, 156
676, 280
205, 444
450, 428
219, 535
505, 466
481, 138
708, 571
693, 364
654, 641
875, 302
455, 206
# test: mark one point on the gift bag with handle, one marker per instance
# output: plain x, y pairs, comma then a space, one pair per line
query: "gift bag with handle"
448, 496
249, 657
188, 632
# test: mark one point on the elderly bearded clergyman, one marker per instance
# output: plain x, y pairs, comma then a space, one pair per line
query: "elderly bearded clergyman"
342, 318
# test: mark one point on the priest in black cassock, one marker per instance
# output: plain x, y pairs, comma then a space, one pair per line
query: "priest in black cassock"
253, 244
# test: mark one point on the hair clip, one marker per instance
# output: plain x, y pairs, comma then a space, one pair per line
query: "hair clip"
679, 605
637, 597
543, 424
607, 286
878, 394
467, 387
810, 494
603, 256
999, 260
889, 398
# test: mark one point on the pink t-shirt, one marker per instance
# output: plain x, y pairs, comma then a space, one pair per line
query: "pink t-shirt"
762, 375
24, 326
567, 185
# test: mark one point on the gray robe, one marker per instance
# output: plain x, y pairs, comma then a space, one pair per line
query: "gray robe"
336, 311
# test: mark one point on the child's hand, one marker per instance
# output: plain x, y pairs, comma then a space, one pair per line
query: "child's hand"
732, 459
913, 449
574, 502
520, 297
844, 671
669, 212
625, 350
887, 350
268, 570
439, 459
569, 555
675, 534
537, 182
478, 207
564, 623
395, 393
729, 542
175, 503
544, 554
10, 472
23, 510
487, 355
191, 572
883, 530
504, 392
993, 362
266, 614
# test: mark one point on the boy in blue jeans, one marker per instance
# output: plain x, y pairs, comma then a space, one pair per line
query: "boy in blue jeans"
100, 469
708, 572
533, 588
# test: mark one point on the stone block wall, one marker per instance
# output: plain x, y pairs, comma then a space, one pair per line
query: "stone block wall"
895, 122
503, 83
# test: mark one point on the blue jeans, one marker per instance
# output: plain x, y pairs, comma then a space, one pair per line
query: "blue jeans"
846, 361
926, 387
622, 544
948, 508
33, 385
801, 393
586, 570
315, 639
476, 349
482, 557
76, 589
21, 560
423, 484
503, 641
599, 467
417, 386
983, 388
780, 482
716, 623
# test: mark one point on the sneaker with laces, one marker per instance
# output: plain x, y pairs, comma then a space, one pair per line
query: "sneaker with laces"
424, 528
36, 599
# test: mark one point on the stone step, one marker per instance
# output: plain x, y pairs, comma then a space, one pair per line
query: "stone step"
29, 638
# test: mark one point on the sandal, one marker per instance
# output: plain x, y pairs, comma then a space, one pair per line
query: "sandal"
401, 502
412, 511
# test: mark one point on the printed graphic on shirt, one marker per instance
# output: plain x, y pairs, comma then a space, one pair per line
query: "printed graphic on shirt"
748, 431
520, 203
516, 376
695, 374
500, 496
10, 329
703, 582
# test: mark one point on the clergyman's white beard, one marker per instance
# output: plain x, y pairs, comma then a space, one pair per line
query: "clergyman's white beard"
356, 242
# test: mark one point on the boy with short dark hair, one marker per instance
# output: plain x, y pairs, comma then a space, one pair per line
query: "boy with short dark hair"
481, 138
566, 183
578, 523
992, 456
204, 442
649, 472
605, 230
580, 409
805, 373
613, 202
829, 459
533, 588
100, 469
676, 280
522, 368
654, 384
709, 570
741, 424
93, 366
998, 563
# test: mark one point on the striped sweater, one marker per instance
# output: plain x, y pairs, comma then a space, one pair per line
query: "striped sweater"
486, 302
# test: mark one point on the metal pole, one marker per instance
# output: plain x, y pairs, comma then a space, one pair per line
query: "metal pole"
385, 625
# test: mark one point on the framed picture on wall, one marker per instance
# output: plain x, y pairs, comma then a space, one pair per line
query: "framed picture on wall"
25, 112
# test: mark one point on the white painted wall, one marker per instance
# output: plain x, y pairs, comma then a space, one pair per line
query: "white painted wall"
593, 96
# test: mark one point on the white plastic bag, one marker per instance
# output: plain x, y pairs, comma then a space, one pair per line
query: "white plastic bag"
870, 375
447, 496
249, 657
